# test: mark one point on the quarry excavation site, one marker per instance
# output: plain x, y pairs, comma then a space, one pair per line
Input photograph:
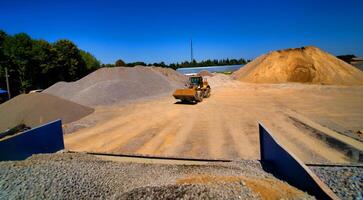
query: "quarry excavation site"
311, 101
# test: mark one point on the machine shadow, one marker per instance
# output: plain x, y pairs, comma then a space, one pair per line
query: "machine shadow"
185, 103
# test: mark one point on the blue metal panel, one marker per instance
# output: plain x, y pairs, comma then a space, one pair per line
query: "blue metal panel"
47, 138
284, 165
3, 91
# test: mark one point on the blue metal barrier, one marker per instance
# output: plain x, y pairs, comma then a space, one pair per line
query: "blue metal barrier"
47, 138
286, 166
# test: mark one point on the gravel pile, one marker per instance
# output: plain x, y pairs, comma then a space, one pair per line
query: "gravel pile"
205, 73
38, 108
108, 86
345, 181
174, 77
189, 192
358, 64
220, 80
80, 176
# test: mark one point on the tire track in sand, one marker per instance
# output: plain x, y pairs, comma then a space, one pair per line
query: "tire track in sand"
240, 135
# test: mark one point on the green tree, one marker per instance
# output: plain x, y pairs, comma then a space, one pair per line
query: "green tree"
120, 63
18, 51
133, 64
3, 59
69, 64
35, 64
108, 65
92, 63
44, 57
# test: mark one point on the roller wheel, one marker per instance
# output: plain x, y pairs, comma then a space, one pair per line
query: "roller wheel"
207, 93
199, 96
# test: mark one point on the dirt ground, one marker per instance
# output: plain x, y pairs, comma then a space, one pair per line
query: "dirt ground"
225, 126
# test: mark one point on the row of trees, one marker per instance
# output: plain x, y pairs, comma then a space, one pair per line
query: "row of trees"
195, 63
347, 58
34, 64
205, 63
37, 64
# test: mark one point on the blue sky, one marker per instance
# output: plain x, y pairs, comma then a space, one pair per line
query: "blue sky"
160, 30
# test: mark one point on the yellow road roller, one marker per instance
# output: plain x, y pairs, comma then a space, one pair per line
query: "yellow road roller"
196, 89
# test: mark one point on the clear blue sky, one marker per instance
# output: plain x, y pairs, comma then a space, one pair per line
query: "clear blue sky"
159, 30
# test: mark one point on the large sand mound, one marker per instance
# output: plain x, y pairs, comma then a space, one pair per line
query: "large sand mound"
305, 65
38, 108
108, 86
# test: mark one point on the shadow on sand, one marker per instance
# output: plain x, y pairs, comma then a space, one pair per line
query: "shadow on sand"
185, 103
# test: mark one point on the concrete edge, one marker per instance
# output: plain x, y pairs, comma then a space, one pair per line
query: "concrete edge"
32, 128
299, 164
45, 138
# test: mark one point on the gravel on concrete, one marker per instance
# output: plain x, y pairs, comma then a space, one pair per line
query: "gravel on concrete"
82, 176
345, 181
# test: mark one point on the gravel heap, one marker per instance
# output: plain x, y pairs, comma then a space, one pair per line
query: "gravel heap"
108, 86
220, 80
358, 64
205, 73
304, 65
345, 181
174, 77
81, 176
38, 108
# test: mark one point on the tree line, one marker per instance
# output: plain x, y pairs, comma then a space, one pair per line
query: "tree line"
347, 58
194, 63
35, 64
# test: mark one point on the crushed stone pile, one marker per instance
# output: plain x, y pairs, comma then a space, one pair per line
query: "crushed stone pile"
358, 64
220, 80
205, 73
304, 65
345, 181
173, 76
38, 108
81, 176
108, 86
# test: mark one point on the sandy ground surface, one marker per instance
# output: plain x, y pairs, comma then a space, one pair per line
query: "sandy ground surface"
225, 126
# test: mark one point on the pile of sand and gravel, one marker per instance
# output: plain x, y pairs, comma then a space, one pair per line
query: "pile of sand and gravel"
81, 176
108, 86
38, 108
304, 65
205, 73
358, 63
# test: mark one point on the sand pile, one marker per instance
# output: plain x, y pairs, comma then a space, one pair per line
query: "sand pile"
38, 108
205, 73
108, 86
305, 65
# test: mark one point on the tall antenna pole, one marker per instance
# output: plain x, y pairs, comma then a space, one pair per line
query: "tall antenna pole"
191, 50
7, 82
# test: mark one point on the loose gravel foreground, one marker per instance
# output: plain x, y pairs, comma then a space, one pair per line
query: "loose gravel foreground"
345, 181
82, 176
